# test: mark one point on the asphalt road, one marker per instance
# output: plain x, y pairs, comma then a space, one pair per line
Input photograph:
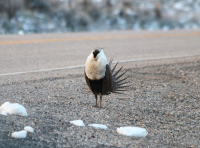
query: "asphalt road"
25, 53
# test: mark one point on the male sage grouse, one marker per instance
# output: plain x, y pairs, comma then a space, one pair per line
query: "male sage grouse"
100, 78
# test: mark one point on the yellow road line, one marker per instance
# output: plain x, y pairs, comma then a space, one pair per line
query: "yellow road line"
99, 38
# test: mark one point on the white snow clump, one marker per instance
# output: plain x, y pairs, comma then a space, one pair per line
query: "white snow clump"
13, 108
3, 113
29, 129
98, 126
132, 131
77, 122
20, 134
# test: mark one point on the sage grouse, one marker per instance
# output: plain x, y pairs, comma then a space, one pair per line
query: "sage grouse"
100, 78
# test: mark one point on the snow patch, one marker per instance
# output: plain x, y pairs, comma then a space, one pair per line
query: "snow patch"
77, 122
3, 113
13, 108
29, 129
132, 131
20, 134
98, 126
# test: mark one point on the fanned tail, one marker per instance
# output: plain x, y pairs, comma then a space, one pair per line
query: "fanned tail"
119, 85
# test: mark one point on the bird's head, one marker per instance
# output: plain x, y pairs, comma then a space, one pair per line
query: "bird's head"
96, 52
97, 55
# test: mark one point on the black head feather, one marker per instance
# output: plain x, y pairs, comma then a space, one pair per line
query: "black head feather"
95, 52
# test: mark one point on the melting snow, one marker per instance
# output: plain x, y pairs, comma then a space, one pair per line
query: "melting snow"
29, 129
98, 126
3, 113
20, 134
132, 131
13, 108
77, 122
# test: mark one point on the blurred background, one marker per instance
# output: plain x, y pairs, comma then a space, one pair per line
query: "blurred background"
45, 16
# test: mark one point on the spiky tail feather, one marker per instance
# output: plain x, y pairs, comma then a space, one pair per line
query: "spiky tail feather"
118, 83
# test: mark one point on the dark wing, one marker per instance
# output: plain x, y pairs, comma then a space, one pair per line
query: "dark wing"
107, 81
87, 81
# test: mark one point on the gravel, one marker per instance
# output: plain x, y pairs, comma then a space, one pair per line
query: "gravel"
163, 99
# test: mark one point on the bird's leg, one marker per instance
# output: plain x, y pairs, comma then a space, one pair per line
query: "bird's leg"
96, 100
100, 100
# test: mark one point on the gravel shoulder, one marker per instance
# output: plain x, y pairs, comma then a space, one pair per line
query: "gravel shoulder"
163, 98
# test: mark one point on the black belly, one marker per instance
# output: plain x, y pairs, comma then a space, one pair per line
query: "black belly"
96, 86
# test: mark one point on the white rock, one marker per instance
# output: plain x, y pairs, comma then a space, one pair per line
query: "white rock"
20, 134
29, 129
13, 108
77, 122
98, 126
132, 131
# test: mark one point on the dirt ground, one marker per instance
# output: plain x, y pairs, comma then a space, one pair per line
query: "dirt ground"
163, 99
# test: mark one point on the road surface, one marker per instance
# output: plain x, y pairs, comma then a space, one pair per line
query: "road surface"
40, 52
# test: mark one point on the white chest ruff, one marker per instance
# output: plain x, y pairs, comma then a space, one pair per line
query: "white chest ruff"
95, 71
95, 68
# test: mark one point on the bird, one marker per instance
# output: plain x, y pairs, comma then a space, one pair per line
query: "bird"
100, 78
